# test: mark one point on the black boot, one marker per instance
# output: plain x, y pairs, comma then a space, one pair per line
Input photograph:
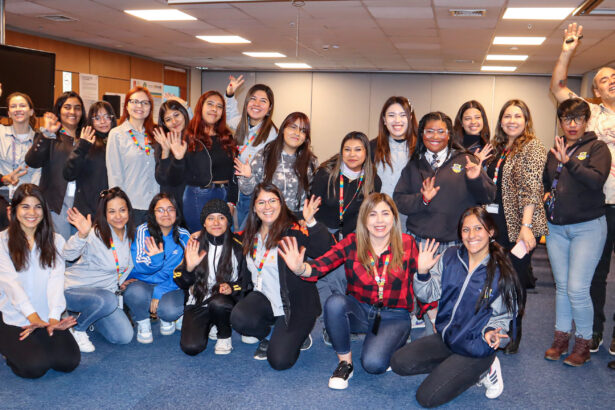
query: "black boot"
515, 339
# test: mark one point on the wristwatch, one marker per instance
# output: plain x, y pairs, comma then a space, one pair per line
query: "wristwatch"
528, 225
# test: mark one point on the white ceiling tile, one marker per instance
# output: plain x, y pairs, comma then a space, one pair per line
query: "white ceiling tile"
401, 12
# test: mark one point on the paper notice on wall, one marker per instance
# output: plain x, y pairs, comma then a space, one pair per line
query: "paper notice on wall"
156, 89
88, 89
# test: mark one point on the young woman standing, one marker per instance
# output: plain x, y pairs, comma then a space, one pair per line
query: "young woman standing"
471, 128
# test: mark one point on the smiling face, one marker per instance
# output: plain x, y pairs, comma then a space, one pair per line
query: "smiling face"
165, 214
139, 106
117, 213
353, 154
380, 221
604, 84
472, 121
212, 110
396, 121
29, 213
258, 106
216, 224
267, 207
513, 122
474, 236
19, 110
435, 135
102, 121
294, 135
71, 112
174, 120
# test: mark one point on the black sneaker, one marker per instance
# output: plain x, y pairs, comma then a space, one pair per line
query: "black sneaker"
595, 343
343, 372
326, 338
261, 350
307, 343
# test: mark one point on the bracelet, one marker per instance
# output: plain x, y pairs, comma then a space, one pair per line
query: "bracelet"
304, 269
528, 225
426, 202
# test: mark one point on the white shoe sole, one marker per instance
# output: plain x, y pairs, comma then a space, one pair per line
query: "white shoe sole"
225, 351
249, 340
336, 383
145, 341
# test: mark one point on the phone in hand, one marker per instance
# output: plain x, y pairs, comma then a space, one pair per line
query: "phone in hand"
519, 250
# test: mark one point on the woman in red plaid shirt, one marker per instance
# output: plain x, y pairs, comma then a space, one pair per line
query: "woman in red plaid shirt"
380, 263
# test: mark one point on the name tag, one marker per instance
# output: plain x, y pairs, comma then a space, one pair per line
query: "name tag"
493, 208
70, 188
120, 302
259, 283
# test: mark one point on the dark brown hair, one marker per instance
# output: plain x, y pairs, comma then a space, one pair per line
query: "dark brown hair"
501, 139
433, 116
458, 131
267, 123
101, 225
383, 151
57, 108
93, 111
32, 120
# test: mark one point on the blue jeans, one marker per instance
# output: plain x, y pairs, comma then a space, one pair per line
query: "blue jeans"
345, 314
138, 296
243, 208
100, 307
194, 200
574, 251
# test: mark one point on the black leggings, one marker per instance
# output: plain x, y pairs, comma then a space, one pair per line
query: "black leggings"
199, 319
450, 374
252, 316
39, 352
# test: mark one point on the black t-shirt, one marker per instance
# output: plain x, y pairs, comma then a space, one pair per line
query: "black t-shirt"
499, 218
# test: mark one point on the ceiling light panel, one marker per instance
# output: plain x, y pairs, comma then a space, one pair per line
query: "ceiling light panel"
160, 15
264, 54
518, 41
537, 13
506, 57
293, 65
498, 68
224, 39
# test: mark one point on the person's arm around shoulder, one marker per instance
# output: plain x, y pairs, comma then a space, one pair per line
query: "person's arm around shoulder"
558, 87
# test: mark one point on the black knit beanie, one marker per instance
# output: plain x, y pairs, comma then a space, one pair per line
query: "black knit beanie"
216, 206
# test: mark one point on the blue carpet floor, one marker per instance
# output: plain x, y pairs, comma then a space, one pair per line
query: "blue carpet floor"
161, 376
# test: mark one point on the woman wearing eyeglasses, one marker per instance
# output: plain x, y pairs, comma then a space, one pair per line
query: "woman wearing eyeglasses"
50, 151
439, 183
203, 159
287, 162
130, 156
157, 250
577, 168
86, 163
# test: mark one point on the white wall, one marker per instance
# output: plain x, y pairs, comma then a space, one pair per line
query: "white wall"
338, 103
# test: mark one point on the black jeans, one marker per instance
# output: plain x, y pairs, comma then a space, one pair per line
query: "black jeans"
198, 320
450, 374
39, 352
253, 316
598, 287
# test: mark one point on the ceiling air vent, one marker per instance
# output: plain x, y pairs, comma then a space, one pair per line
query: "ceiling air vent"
58, 18
467, 12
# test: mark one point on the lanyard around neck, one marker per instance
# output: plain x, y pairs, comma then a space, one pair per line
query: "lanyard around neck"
380, 279
342, 208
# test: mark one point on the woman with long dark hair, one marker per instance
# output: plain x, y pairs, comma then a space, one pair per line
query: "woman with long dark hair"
50, 151
478, 295
15, 140
379, 262
157, 250
253, 127
210, 275
34, 337
277, 297
287, 162
203, 159
516, 169
94, 283
471, 128
130, 160
86, 163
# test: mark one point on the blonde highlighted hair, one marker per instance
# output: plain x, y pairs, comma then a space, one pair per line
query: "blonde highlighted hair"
364, 246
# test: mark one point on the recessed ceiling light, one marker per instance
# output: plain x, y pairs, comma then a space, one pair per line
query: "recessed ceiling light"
497, 68
537, 13
506, 57
293, 65
160, 15
525, 41
224, 39
264, 54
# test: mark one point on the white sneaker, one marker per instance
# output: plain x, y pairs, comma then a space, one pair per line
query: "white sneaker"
249, 340
493, 381
343, 372
83, 341
144, 331
178, 323
213, 333
417, 323
167, 328
223, 346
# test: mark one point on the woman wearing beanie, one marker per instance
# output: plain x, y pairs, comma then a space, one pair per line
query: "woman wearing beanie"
210, 275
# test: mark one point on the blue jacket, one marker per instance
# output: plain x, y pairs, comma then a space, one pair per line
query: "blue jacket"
461, 327
159, 268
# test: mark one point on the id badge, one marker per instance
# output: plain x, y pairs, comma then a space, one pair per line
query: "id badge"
493, 208
70, 188
120, 302
259, 283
